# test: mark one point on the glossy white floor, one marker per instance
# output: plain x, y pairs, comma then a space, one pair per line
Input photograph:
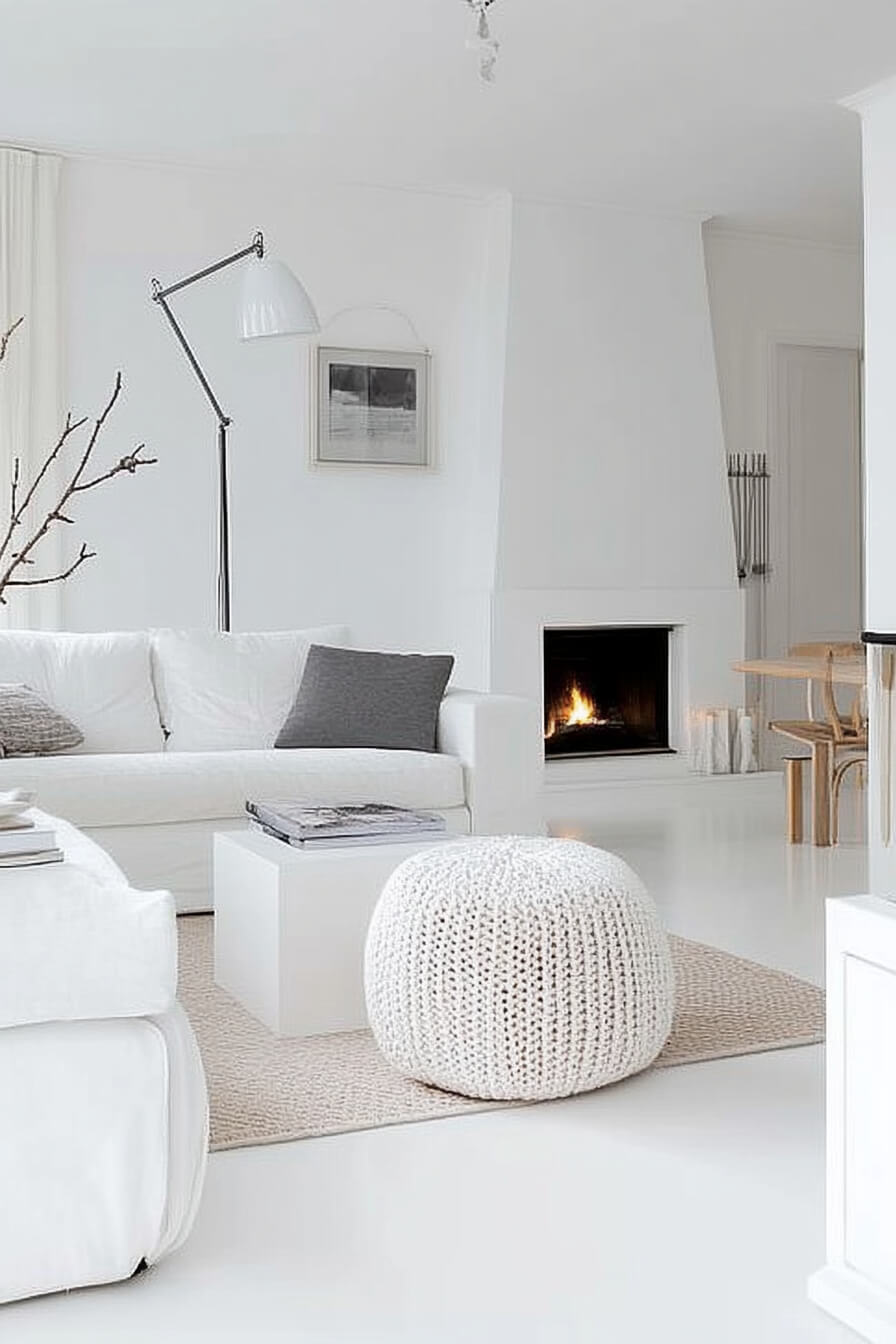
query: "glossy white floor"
684, 1205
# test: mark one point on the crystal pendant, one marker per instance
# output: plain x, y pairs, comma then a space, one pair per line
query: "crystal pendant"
485, 46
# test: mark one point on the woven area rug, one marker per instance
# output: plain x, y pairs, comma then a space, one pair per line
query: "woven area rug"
264, 1089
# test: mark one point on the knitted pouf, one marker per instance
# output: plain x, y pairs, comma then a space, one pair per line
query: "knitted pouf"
517, 968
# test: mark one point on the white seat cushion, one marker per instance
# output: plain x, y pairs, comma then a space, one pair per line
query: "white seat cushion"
101, 682
207, 785
77, 942
224, 692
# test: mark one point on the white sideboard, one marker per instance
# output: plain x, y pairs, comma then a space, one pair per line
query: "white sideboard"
858, 1282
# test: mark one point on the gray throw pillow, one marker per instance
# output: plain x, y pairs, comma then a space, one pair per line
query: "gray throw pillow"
355, 698
31, 727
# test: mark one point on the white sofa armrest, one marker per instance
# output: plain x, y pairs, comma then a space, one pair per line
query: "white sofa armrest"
76, 942
499, 743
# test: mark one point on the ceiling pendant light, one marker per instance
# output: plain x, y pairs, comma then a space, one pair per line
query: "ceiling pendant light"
484, 45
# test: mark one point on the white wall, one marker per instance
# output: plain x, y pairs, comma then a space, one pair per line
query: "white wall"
762, 290
581, 464
613, 501
375, 548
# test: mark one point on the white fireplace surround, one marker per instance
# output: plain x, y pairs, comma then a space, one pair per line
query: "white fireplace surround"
704, 626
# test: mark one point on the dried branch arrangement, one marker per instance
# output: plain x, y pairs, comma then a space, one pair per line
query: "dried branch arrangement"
17, 546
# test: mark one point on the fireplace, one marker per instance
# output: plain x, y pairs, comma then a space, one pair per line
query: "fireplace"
606, 691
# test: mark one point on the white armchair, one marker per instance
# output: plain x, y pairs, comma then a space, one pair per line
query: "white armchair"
104, 1122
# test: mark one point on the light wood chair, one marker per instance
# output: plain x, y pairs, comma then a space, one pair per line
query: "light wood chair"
827, 737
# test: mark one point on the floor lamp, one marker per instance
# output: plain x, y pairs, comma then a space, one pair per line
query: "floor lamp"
272, 303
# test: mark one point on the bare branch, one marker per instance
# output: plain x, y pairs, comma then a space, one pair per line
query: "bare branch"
83, 554
4, 339
12, 561
130, 463
14, 490
16, 515
91, 442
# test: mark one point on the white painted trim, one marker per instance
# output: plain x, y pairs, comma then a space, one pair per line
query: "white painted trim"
855, 1301
760, 237
680, 775
866, 98
250, 169
613, 207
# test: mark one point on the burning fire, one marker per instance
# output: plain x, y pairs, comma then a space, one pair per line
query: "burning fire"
575, 710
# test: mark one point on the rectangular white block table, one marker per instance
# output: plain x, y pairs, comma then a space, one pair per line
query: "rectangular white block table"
858, 1282
290, 927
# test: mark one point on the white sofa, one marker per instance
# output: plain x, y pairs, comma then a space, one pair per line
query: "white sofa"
179, 729
104, 1119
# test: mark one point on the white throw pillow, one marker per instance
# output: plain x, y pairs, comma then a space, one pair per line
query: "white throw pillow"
231, 692
101, 682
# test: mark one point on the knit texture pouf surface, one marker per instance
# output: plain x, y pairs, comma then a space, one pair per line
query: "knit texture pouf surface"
518, 968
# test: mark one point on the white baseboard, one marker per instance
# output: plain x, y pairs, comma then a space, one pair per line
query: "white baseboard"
862, 1305
555, 782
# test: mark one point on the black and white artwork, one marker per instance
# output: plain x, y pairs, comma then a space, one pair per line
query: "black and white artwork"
372, 407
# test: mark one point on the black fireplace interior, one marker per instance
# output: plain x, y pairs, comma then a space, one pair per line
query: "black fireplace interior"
606, 690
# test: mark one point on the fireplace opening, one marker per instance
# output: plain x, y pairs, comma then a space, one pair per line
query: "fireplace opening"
606, 690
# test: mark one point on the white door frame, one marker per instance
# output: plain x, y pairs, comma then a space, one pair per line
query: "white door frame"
774, 342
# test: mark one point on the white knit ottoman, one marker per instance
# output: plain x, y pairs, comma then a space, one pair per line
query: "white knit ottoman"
518, 968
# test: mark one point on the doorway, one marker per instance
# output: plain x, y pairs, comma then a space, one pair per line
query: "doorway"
814, 591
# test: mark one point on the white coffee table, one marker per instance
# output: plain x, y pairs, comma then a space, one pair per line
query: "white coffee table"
290, 927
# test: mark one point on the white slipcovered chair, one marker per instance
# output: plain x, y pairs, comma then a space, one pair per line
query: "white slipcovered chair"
104, 1114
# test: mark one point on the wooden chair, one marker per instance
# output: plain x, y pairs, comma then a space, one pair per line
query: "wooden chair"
834, 734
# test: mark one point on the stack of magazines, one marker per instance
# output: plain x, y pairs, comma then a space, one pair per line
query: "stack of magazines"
311, 827
22, 841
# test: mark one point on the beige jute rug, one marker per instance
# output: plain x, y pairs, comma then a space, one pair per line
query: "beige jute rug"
264, 1089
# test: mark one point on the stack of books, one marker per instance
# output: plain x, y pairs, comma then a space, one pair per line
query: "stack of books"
318, 827
22, 841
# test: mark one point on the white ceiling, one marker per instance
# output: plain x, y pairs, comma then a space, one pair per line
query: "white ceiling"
720, 107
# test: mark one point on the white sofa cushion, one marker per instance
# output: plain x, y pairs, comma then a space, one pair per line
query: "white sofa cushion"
226, 692
102, 682
208, 785
77, 942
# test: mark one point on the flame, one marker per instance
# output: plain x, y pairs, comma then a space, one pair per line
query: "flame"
581, 708
575, 710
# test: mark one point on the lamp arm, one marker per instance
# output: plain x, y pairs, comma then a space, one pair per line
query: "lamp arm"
223, 417
256, 246
160, 296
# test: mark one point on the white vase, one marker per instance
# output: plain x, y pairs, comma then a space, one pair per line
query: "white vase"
744, 757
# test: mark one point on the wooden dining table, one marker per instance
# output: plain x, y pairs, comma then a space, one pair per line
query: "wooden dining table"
845, 670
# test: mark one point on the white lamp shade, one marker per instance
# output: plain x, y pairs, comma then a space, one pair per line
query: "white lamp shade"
273, 302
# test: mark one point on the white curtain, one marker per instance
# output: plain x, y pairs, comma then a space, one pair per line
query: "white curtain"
30, 393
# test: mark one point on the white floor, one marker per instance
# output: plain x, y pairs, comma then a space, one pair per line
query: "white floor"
683, 1205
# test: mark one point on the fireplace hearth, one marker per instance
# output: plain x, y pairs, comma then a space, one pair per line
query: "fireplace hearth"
606, 691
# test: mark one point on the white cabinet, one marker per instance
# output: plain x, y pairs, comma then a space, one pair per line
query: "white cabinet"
858, 1283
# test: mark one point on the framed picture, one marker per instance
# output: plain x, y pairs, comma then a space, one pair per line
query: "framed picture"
370, 408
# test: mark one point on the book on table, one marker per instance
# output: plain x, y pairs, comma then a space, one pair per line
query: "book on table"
26, 840
31, 860
24, 843
307, 825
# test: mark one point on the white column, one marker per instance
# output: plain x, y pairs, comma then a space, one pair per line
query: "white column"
858, 1282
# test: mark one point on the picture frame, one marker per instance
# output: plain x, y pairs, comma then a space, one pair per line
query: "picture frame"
371, 408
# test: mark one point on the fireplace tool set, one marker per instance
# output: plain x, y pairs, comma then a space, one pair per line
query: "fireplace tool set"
748, 490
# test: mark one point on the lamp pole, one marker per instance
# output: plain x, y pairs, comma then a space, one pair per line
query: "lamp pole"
160, 296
